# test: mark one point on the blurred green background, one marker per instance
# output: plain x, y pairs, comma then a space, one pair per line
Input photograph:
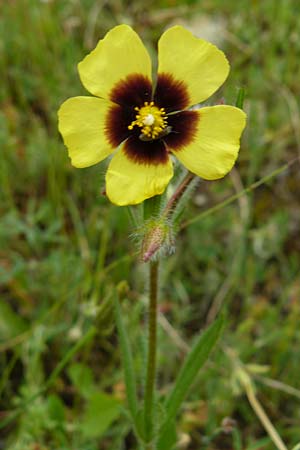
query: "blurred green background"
63, 246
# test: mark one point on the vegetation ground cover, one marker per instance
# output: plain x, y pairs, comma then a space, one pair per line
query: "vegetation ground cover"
63, 246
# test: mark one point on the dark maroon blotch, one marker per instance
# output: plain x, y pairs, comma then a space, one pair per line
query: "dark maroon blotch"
184, 127
117, 121
132, 91
141, 152
170, 93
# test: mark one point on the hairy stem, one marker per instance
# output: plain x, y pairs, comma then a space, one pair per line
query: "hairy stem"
180, 190
151, 360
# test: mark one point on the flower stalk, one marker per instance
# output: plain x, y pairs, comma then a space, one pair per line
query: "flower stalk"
152, 350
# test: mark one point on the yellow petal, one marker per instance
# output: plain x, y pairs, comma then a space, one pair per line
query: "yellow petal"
199, 64
81, 121
215, 145
129, 182
119, 54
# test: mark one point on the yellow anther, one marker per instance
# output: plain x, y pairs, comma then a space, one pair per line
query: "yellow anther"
151, 119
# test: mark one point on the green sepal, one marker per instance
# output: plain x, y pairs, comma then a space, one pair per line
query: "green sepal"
152, 207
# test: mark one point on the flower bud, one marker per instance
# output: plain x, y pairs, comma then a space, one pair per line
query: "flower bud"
158, 240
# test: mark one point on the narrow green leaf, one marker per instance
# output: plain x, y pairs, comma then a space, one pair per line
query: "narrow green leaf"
194, 361
240, 98
140, 425
168, 439
126, 355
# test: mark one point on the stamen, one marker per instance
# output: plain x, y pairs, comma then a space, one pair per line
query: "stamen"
151, 119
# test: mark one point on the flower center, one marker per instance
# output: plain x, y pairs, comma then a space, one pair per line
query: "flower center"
151, 119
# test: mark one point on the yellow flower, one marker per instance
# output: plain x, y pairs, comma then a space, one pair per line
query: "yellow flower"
141, 126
